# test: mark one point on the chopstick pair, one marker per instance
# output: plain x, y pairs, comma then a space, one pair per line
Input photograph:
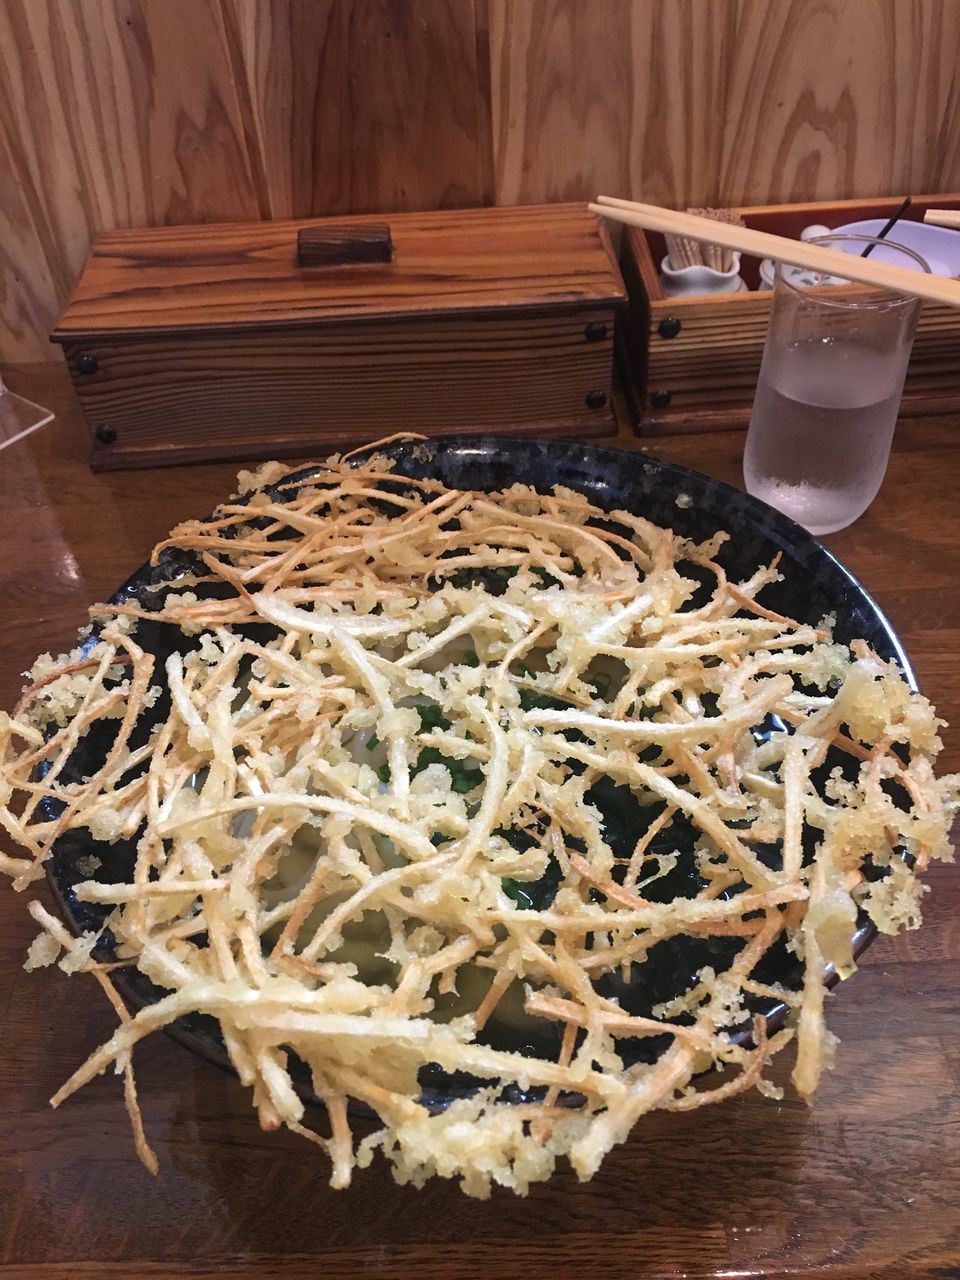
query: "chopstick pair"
798, 253
943, 218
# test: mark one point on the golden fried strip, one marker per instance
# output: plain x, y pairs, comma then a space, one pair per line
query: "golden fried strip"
401, 802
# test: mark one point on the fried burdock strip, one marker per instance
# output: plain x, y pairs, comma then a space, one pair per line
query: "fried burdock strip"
412, 747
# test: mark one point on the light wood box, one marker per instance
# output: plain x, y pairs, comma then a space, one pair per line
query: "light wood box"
275, 339
691, 364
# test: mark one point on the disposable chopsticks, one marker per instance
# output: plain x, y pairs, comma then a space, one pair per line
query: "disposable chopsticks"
943, 218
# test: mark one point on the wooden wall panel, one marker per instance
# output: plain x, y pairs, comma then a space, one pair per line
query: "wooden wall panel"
124, 112
837, 98
943, 140
364, 106
732, 101
118, 113
621, 96
28, 296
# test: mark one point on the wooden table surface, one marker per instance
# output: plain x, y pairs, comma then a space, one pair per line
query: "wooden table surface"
866, 1183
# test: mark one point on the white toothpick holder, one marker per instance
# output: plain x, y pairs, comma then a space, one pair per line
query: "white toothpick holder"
700, 279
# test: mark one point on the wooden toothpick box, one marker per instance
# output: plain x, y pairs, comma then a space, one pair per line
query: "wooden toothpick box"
281, 338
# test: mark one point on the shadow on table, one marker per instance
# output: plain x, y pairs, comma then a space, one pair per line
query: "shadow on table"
676, 1187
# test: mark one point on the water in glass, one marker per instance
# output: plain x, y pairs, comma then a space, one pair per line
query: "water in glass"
821, 430
829, 391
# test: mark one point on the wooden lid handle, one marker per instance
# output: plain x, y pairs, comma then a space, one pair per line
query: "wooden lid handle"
343, 243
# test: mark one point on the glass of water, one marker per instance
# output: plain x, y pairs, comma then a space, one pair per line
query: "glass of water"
829, 389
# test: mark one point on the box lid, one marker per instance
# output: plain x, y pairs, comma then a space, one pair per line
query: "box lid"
208, 279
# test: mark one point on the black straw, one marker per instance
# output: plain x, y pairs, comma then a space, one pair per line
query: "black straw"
882, 235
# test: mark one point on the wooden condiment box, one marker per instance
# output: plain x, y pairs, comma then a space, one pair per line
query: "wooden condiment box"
691, 363
281, 338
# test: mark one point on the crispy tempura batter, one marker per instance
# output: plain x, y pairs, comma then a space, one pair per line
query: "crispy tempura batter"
406, 744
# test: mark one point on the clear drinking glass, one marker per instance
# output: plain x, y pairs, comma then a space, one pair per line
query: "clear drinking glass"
829, 390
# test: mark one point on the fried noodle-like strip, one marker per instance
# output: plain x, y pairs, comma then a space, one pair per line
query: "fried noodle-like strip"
365, 841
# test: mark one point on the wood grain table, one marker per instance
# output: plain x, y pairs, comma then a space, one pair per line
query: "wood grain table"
866, 1183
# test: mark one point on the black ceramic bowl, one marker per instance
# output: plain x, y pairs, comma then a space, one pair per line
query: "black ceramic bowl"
814, 584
